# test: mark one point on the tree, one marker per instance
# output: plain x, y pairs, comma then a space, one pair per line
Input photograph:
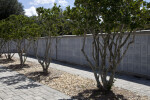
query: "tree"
112, 24
10, 7
23, 29
6, 29
50, 21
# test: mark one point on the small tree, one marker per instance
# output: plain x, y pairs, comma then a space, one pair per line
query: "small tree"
112, 24
23, 29
6, 30
50, 20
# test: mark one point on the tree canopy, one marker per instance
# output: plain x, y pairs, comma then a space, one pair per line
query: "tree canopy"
106, 15
10, 7
147, 7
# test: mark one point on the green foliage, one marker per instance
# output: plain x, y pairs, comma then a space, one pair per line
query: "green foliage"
1, 28
10, 7
6, 30
106, 15
50, 20
76, 19
18, 27
22, 27
147, 8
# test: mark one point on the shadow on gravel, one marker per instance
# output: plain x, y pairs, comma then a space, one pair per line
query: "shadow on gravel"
38, 73
6, 61
95, 94
18, 66
39, 76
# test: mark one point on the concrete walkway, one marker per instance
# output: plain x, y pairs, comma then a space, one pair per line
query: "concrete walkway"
15, 86
138, 85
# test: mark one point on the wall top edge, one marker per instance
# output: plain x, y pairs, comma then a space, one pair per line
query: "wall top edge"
142, 32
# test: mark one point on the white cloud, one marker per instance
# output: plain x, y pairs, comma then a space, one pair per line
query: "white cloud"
63, 2
31, 11
37, 2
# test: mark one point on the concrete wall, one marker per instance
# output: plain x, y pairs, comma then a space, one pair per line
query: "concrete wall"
68, 49
11, 45
41, 48
137, 59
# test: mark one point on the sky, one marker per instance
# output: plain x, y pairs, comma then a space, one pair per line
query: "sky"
31, 5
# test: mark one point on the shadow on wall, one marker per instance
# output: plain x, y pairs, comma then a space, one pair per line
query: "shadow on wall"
6, 61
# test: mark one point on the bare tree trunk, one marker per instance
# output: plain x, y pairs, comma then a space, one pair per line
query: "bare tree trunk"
45, 65
22, 50
110, 50
96, 59
45, 68
8, 53
21, 58
1, 54
46, 60
97, 81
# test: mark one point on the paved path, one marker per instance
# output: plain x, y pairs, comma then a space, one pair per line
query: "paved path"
15, 86
138, 85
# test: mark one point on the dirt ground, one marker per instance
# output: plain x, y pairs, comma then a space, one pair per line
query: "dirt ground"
75, 86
